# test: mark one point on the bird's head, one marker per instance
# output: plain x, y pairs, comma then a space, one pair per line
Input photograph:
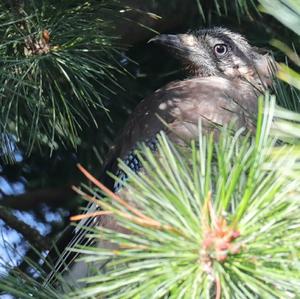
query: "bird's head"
218, 52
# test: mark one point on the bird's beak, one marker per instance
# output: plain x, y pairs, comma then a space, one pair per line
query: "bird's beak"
170, 40
180, 43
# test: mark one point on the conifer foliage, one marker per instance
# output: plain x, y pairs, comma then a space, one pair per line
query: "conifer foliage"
218, 218
54, 57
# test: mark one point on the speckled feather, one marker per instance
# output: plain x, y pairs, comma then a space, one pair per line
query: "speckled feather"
133, 162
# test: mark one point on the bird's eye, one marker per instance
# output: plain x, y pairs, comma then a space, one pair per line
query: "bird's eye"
220, 49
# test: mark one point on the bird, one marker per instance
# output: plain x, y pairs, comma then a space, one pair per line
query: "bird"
224, 77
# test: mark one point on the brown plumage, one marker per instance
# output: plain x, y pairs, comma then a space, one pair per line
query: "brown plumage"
225, 77
216, 101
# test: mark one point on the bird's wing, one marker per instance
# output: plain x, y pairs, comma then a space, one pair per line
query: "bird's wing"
214, 100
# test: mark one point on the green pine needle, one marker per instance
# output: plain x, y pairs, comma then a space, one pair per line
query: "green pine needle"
219, 219
57, 69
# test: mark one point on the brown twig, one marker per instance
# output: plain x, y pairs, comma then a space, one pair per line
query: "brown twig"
89, 215
114, 196
141, 221
124, 215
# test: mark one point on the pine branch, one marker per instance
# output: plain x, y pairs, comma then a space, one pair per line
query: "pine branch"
31, 200
30, 234
216, 219
58, 66
286, 11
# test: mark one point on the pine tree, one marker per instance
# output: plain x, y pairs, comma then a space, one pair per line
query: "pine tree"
63, 72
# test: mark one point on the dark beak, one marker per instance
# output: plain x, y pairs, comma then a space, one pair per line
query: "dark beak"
182, 45
168, 40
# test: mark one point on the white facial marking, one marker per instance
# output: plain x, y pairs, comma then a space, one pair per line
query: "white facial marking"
188, 40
